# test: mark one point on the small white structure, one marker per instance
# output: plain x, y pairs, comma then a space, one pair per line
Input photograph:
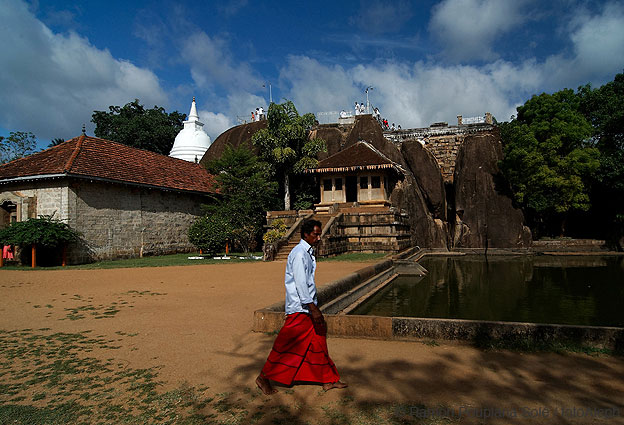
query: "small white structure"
192, 141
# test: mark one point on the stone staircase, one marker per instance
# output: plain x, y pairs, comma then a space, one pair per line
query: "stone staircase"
294, 239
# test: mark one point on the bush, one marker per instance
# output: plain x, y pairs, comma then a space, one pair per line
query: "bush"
277, 231
210, 233
43, 231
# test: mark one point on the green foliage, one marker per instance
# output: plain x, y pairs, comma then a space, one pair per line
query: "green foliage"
285, 145
210, 233
134, 125
56, 141
18, 145
549, 157
604, 108
44, 231
246, 194
276, 232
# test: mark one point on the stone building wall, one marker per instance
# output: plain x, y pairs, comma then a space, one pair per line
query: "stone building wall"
122, 222
443, 142
114, 220
47, 198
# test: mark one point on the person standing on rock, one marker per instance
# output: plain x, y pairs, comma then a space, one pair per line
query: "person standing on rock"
299, 353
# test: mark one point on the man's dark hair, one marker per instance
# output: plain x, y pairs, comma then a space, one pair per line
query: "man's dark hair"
308, 226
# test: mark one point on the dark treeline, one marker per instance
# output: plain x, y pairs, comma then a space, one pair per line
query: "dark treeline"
564, 161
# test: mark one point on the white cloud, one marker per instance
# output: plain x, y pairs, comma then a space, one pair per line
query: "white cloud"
467, 29
413, 96
214, 123
599, 41
51, 83
314, 87
212, 64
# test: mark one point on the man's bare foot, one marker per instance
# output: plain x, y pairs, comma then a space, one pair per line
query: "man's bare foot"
338, 385
265, 385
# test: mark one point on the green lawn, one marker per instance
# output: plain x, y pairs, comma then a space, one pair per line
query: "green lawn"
183, 260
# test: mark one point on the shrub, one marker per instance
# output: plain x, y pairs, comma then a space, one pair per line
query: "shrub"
277, 231
210, 233
43, 231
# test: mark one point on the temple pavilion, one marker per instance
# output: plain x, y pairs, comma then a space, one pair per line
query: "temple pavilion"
357, 176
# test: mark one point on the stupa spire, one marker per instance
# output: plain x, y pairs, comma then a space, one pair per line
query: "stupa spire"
193, 114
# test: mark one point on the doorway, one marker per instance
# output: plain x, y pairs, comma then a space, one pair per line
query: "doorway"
351, 188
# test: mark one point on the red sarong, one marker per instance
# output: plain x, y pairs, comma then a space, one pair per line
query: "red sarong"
300, 354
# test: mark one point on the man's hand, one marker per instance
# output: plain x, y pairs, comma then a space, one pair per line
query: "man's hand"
317, 319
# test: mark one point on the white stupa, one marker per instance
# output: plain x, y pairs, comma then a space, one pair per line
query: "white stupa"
192, 141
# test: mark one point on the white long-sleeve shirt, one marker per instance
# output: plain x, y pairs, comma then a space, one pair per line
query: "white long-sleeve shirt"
299, 279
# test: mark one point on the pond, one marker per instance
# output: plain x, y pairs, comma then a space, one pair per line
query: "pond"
570, 290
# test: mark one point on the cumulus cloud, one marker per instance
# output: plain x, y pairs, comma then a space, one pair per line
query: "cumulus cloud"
211, 64
214, 123
413, 96
466, 29
418, 94
599, 41
51, 83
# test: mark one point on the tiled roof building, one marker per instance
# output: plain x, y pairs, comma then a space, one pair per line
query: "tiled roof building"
126, 202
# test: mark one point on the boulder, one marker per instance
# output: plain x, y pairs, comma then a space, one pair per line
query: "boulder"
235, 136
485, 214
428, 175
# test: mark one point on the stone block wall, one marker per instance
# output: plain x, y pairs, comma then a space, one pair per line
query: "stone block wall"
122, 222
44, 198
383, 231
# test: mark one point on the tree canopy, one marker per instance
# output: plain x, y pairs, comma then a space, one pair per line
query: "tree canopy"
285, 145
17, 145
246, 193
549, 156
134, 125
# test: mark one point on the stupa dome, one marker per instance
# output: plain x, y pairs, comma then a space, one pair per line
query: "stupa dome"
192, 141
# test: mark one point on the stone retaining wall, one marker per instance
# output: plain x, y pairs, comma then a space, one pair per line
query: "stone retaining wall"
383, 231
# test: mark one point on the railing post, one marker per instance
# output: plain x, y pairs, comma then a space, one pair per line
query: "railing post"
34, 256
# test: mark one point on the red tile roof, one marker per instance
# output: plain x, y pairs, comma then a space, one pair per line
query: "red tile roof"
91, 157
359, 156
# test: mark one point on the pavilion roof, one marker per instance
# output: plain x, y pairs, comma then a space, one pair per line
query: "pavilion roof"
359, 156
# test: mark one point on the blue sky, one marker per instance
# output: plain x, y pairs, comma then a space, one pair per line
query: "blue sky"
428, 61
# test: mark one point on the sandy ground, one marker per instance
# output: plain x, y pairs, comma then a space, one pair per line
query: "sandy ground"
195, 323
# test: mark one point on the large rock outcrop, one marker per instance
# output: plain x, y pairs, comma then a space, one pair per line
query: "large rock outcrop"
235, 136
428, 175
485, 216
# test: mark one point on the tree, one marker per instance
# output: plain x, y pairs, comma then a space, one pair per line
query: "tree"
549, 157
18, 145
133, 125
246, 194
56, 141
604, 109
209, 233
285, 145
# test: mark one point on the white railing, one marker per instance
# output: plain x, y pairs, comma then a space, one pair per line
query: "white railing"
473, 120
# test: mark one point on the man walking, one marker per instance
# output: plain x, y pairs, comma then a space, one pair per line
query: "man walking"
300, 352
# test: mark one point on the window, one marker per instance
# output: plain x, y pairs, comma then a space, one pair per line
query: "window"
364, 182
327, 186
375, 182
338, 182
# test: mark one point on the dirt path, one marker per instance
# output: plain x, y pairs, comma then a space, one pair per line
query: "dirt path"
194, 323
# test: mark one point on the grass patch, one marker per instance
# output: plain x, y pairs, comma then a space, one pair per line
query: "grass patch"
153, 261
356, 257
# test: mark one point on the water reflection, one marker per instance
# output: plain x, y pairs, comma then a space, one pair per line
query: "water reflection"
565, 290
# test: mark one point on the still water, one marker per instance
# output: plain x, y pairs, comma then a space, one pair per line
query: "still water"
540, 289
